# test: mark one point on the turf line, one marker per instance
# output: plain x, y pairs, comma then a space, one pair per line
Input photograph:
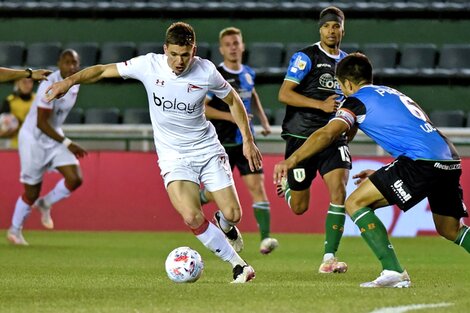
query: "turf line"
406, 308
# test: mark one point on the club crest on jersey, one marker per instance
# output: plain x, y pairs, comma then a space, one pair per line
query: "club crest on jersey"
248, 78
160, 82
193, 88
299, 174
300, 64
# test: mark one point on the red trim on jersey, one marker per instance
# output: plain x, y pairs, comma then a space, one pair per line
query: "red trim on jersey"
201, 229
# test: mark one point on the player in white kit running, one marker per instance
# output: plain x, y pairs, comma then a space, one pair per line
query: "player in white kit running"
42, 146
188, 149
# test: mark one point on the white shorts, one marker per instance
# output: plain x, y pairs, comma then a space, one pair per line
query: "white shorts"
213, 170
36, 160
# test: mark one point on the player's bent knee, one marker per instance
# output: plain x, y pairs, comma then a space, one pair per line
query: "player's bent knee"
193, 220
448, 233
299, 209
73, 183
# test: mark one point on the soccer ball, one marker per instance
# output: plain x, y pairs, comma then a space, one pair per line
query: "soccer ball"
184, 265
8, 122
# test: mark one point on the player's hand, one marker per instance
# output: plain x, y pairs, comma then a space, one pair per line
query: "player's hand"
40, 74
361, 176
331, 104
266, 130
253, 155
78, 151
57, 90
280, 170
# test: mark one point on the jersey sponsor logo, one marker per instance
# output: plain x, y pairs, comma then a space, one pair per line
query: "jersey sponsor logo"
193, 88
320, 65
401, 191
173, 105
160, 82
328, 81
299, 174
448, 167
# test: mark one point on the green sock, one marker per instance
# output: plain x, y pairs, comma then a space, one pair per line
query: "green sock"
375, 234
202, 196
263, 217
463, 238
334, 227
287, 195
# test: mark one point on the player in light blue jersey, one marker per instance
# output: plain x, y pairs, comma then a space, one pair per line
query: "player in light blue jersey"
426, 165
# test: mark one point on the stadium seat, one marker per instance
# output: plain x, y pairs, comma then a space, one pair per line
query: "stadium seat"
279, 117
350, 47
203, 50
43, 54
102, 116
448, 118
147, 47
418, 56
88, 52
12, 54
216, 58
292, 48
136, 116
454, 57
114, 52
266, 58
383, 56
75, 116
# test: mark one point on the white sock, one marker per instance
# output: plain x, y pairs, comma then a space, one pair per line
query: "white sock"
214, 239
328, 256
22, 211
224, 224
59, 192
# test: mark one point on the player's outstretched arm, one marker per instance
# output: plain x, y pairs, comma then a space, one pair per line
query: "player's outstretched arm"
314, 144
237, 109
86, 76
8, 74
257, 108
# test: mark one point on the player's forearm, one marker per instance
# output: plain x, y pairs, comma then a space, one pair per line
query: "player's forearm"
88, 75
47, 129
314, 144
292, 98
7, 74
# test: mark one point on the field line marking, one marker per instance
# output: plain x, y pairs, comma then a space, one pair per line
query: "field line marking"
406, 308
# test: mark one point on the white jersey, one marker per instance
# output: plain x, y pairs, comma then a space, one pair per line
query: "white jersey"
176, 103
60, 109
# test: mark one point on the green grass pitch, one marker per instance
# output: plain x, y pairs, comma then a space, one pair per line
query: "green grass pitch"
118, 272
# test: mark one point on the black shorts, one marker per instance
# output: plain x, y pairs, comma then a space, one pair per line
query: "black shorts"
333, 157
237, 159
405, 182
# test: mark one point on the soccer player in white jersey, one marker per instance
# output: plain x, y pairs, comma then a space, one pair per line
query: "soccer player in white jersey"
42, 146
188, 149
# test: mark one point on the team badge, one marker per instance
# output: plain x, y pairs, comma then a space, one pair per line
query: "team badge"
248, 78
193, 88
299, 174
300, 64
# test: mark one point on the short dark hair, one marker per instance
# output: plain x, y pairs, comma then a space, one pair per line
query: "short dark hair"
70, 52
331, 13
356, 68
181, 34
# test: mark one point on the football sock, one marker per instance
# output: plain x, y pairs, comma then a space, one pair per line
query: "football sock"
463, 238
202, 196
374, 233
59, 192
263, 217
224, 224
287, 195
214, 240
334, 227
22, 211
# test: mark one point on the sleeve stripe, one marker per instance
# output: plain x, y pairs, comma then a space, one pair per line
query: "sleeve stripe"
339, 118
